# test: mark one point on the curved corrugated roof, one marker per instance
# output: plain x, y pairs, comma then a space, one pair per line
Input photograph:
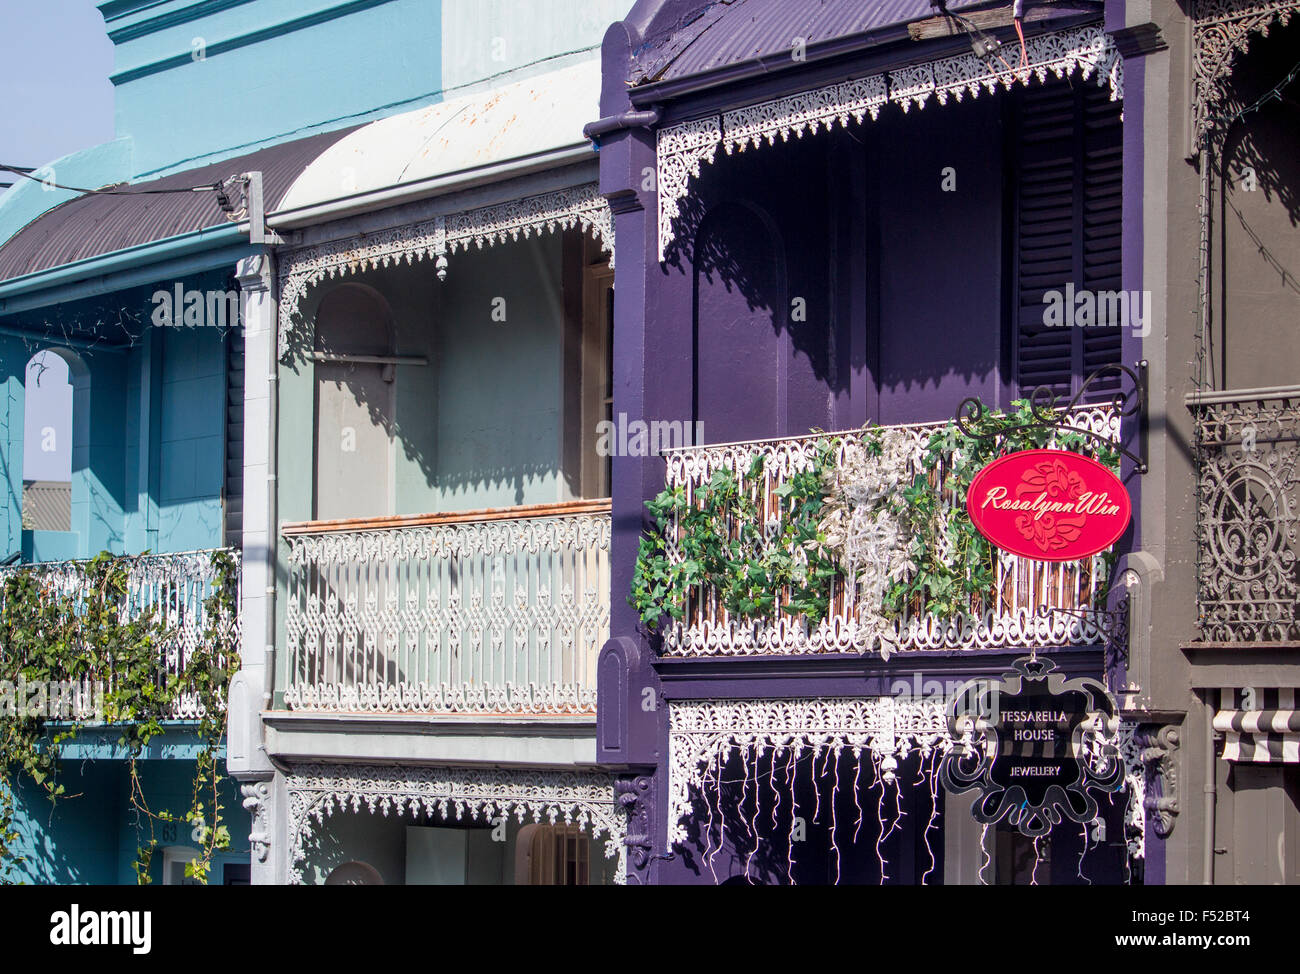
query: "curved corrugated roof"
731, 31
542, 113
93, 225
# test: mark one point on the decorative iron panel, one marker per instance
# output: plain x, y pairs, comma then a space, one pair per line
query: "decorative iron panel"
175, 586
1009, 618
502, 616
1249, 512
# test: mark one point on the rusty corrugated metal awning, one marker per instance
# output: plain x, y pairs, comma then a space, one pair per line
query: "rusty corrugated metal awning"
94, 225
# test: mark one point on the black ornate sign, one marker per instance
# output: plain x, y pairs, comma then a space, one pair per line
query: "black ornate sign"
1035, 744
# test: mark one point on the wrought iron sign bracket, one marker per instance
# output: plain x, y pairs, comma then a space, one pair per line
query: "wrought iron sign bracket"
1112, 624
1049, 413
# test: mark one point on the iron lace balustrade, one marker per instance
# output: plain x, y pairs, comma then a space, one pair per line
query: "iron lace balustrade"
1010, 616
1248, 497
174, 586
498, 611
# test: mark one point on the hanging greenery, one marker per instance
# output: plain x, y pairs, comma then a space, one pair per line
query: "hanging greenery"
83, 630
886, 510
724, 544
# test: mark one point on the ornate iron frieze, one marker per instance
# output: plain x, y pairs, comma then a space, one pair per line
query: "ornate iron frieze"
682, 148
583, 798
579, 206
702, 733
1222, 29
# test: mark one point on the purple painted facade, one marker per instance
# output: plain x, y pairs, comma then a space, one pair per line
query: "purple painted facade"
905, 291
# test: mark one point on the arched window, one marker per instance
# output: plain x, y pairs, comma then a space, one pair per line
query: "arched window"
49, 402
354, 874
354, 404
552, 855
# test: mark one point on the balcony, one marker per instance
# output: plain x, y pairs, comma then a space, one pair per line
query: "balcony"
493, 612
1031, 604
1248, 515
173, 588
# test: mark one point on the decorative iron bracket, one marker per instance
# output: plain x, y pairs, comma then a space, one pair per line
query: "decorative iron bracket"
1112, 624
1050, 414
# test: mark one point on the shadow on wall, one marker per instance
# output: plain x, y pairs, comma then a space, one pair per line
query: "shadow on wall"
1256, 276
109, 343
1265, 144
843, 256
743, 228
485, 409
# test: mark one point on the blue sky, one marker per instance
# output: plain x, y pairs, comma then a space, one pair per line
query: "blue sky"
55, 96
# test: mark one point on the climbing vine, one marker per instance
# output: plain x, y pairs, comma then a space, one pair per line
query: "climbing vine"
75, 652
886, 512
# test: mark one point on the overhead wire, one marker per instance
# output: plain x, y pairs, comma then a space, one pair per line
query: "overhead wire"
31, 174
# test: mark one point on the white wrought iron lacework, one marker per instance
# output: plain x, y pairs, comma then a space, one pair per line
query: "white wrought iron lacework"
1221, 29
582, 798
1011, 619
580, 206
1249, 499
1135, 812
174, 586
702, 734
494, 616
681, 149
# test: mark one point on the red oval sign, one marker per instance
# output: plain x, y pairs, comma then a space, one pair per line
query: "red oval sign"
1049, 505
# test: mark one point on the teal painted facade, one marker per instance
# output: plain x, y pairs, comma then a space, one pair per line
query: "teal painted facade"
95, 837
149, 428
149, 425
172, 57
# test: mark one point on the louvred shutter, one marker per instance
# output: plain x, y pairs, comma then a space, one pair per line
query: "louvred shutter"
1067, 226
234, 481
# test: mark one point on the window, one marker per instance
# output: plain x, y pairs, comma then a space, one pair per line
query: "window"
47, 443
553, 855
1066, 232
175, 858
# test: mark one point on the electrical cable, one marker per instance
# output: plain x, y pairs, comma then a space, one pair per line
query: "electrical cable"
29, 174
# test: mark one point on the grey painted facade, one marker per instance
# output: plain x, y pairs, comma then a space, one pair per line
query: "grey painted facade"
1244, 828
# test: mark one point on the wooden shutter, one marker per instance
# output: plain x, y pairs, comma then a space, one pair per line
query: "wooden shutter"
1067, 228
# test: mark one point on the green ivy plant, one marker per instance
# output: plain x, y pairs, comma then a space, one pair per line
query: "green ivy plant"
955, 565
723, 545
790, 566
86, 635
